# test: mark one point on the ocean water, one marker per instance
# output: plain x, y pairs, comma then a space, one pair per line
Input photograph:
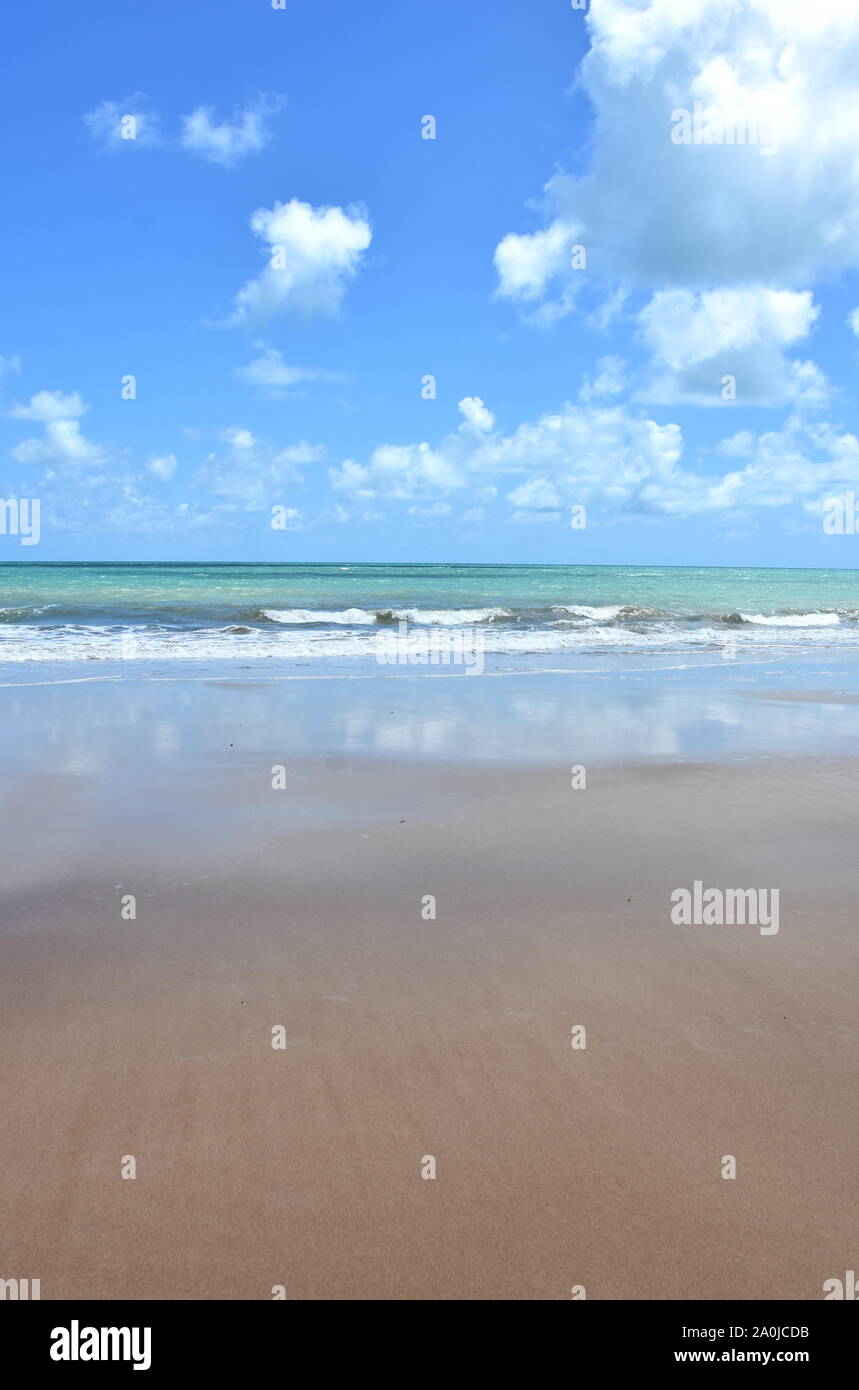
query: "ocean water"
334, 616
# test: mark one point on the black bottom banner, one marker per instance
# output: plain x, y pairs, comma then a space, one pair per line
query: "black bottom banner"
219, 1338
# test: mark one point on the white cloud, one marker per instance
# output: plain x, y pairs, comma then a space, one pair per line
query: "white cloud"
9, 364
398, 471
609, 458
415, 471
579, 452
119, 503
49, 405
61, 443
801, 462
343, 515
163, 466
127, 123
532, 518
609, 381
252, 473
270, 372
124, 506
132, 122
86, 487
737, 445
653, 212
697, 339
527, 264
431, 509
477, 417
89, 488
313, 255
610, 310
584, 453
538, 494
853, 320
683, 328
226, 142
290, 519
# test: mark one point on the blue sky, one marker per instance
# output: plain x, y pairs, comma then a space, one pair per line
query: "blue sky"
299, 384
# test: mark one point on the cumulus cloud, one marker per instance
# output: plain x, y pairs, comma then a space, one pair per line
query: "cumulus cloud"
120, 503
654, 212
575, 452
132, 122
62, 442
399, 471
585, 452
431, 510
696, 340
226, 142
535, 517
477, 417
538, 494
290, 518
609, 457
610, 310
800, 462
252, 473
415, 471
89, 488
527, 264
313, 255
274, 376
49, 405
124, 124
535, 501
610, 379
163, 466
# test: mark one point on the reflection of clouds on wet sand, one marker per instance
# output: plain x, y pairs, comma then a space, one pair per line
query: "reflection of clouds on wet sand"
117, 728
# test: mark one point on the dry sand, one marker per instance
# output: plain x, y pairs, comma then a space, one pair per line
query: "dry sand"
448, 1037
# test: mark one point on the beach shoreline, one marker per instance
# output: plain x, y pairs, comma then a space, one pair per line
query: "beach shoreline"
407, 1036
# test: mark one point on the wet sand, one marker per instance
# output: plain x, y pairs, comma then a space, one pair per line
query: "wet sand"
407, 1037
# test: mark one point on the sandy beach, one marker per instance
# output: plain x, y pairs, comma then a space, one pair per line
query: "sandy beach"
429, 671
407, 1036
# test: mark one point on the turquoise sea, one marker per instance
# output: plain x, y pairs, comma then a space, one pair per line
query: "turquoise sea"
598, 662
333, 614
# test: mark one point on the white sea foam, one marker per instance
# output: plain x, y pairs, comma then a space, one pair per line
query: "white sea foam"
302, 641
369, 617
792, 619
449, 617
298, 617
584, 610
